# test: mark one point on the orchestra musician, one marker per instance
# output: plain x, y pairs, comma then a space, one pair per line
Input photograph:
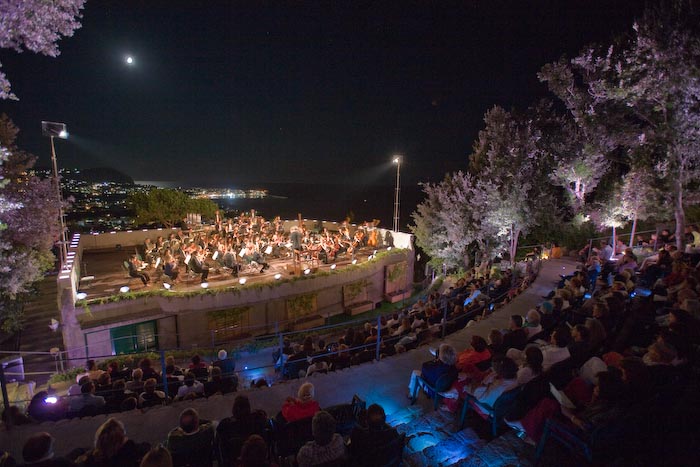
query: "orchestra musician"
135, 270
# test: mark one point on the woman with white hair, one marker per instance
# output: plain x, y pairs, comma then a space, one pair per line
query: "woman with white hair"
303, 406
432, 371
533, 323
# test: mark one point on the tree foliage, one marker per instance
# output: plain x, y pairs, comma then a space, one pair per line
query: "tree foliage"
640, 98
37, 26
29, 218
168, 207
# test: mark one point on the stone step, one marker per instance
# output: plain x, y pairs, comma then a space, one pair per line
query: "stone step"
507, 449
447, 452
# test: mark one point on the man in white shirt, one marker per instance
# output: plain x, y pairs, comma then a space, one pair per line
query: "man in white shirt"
557, 350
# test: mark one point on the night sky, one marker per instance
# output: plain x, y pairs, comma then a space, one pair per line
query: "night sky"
240, 93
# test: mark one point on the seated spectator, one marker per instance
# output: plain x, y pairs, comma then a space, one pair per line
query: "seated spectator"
557, 350
368, 441
533, 323
116, 396
304, 406
87, 398
227, 365
150, 397
192, 437
113, 448
136, 383
605, 405
503, 378
579, 347
157, 457
239, 426
91, 371
431, 371
516, 337
254, 453
174, 382
103, 387
596, 333
659, 359
191, 389
404, 327
317, 367
495, 341
327, 446
219, 384
198, 368
170, 361
147, 370
478, 353
38, 451
532, 366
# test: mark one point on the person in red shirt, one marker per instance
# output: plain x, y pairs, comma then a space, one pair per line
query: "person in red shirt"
303, 406
478, 353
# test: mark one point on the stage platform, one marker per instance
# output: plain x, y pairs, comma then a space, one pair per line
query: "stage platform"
103, 274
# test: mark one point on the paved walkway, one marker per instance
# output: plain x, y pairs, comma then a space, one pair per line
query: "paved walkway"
382, 382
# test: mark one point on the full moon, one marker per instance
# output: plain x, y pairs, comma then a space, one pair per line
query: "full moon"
130, 60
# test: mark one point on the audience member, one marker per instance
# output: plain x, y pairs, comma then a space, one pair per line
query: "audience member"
193, 437
303, 406
113, 448
38, 452
157, 457
431, 371
327, 446
369, 442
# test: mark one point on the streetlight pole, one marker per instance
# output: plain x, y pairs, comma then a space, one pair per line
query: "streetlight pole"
53, 129
59, 198
397, 197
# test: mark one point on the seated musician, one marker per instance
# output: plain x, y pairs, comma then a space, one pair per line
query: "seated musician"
251, 254
231, 262
198, 266
134, 270
170, 267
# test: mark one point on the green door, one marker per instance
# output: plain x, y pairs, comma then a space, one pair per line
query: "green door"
139, 337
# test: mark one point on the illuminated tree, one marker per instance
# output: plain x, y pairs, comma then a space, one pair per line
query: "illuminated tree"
446, 223
29, 219
37, 26
642, 97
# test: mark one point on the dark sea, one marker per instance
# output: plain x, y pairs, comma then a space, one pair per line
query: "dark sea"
330, 202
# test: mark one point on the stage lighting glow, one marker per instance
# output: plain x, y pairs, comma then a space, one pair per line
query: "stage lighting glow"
51, 400
242, 280
81, 295
278, 276
204, 285
63, 134
124, 289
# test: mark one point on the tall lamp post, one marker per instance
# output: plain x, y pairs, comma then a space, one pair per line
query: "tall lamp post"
53, 130
397, 196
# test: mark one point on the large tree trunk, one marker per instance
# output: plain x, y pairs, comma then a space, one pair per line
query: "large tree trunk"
679, 213
634, 231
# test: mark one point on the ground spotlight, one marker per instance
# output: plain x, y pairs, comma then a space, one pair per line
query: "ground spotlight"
242, 280
81, 295
204, 285
354, 261
278, 276
167, 286
124, 289
332, 266
307, 271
